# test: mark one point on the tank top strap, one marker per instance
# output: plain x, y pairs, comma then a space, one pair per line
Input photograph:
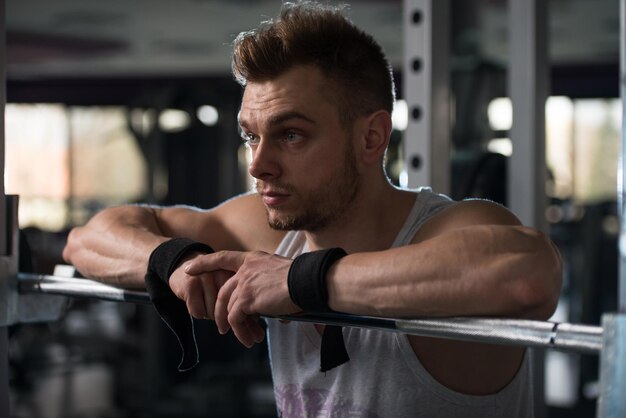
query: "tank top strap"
427, 204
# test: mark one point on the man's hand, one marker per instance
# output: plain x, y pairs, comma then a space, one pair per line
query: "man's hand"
258, 286
199, 290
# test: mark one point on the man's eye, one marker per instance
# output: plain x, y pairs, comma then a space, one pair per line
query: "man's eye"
292, 136
249, 138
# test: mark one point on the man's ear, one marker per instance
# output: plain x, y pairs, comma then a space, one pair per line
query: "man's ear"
376, 136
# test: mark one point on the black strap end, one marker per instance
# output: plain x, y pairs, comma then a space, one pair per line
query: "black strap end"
333, 351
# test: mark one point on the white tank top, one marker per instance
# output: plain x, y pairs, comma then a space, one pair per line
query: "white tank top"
384, 378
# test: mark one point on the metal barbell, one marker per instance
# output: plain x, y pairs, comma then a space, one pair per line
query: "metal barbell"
560, 336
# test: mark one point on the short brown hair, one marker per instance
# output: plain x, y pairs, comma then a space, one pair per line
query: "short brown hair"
309, 33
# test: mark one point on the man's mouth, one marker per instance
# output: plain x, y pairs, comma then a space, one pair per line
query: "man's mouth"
273, 197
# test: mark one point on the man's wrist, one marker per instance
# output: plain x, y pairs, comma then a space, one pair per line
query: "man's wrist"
162, 262
306, 279
168, 255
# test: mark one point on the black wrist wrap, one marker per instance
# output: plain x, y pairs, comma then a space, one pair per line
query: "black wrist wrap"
307, 278
306, 281
162, 262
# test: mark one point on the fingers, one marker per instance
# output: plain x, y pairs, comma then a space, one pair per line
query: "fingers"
249, 332
189, 289
230, 314
228, 308
209, 294
69, 247
210, 288
199, 292
197, 298
221, 305
246, 327
221, 260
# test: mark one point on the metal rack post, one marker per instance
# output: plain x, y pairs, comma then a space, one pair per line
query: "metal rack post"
621, 175
4, 235
426, 89
612, 402
528, 89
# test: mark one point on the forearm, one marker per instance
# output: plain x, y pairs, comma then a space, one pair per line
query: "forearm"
482, 270
114, 246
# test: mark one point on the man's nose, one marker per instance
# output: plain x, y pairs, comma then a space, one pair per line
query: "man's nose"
264, 163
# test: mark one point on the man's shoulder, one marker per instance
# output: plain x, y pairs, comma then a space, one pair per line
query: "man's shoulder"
245, 217
480, 211
465, 213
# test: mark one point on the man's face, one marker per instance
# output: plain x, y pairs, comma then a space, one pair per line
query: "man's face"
303, 160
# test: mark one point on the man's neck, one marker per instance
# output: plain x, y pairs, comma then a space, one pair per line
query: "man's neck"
371, 223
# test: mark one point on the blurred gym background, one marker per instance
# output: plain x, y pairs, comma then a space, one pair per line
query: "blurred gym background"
132, 101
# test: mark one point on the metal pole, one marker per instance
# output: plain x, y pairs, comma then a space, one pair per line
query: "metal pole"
527, 172
528, 88
561, 336
612, 402
426, 86
621, 176
4, 233
4, 241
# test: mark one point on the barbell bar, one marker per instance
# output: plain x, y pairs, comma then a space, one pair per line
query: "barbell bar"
560, 336
78, 288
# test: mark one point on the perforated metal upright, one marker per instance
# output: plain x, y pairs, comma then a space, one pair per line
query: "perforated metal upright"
427, 92
426, 89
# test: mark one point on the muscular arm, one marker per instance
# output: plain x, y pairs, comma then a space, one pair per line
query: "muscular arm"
473, 259
114, 246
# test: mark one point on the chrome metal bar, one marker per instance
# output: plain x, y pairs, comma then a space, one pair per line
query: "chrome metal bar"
561, 336
75, 287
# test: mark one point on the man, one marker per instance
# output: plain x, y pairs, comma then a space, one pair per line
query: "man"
316, 114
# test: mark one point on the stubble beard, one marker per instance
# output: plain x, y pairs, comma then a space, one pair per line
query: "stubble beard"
324, 205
